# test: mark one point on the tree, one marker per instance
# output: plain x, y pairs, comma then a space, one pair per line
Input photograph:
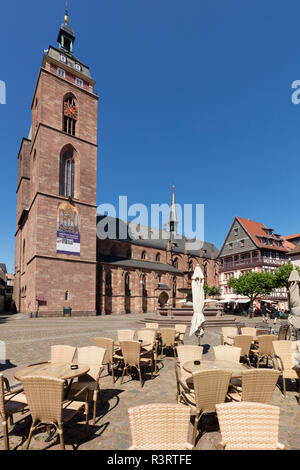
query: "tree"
282, 275
253, 284
213, 291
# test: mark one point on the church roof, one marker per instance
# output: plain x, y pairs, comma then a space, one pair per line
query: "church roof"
152, 237
138, 264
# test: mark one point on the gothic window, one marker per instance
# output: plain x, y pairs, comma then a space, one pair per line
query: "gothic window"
70, 115
144, 282
108, 286
127, 284
190, 266
175, 263
23, 257
67, 175
144, 255
158, 258
205, 273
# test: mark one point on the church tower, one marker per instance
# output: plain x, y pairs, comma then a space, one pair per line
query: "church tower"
55, 241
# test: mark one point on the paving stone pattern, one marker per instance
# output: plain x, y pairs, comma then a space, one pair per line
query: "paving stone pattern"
28, 341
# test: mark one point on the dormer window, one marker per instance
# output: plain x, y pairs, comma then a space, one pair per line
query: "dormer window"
78, 67
63, 59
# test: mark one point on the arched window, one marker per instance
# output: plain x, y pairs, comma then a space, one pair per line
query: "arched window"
108, 287
191, 266
23, 257
127, 284
175, 263
144, 255
144, 282
70, 115
67, 175
158, 258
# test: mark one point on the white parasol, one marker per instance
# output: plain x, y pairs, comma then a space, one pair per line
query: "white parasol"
198, 303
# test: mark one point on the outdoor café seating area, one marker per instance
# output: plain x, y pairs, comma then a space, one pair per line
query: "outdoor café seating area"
234, 387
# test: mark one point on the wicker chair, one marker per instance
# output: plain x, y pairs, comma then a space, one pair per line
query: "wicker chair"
10, 404
263, 332
149, 336
284, 355
248, 331
133, 357
109, 358
168, 338
189, 353
257, 386
93, 356
249, 426
210, 388
284, 332
244, 342
181, 331
47, 406
227, 353
265, 348
185, 354
62, 354
227, 333
160, 427
126, 335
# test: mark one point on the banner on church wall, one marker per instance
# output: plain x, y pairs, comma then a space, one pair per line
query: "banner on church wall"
68, 230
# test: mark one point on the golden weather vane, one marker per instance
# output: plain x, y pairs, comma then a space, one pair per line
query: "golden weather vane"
67, 12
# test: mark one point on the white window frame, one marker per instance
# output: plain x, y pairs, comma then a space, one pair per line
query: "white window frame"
63, 58
78, 67
79, 82
61, 72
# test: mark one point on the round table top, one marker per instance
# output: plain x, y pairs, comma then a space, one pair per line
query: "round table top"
58, 371
236, 368
144, 344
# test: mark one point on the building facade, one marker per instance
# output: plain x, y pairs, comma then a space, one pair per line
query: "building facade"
2, 286
59, 261
55, 240
251, 246
145, 272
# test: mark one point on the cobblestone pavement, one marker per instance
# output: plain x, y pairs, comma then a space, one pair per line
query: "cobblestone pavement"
28, 341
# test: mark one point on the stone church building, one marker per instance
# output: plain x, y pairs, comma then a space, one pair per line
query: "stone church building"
59, 261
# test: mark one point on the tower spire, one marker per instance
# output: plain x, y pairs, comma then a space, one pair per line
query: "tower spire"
173, 215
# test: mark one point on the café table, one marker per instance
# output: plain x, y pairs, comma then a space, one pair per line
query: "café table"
236, 368
61, 371
144, 344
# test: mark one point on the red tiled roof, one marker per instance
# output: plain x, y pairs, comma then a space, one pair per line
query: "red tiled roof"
256, 230
290, 237
296, 250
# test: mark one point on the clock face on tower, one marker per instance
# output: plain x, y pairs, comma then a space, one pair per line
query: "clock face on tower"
70, 111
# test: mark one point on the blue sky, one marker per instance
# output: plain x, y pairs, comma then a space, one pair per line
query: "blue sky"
193, 93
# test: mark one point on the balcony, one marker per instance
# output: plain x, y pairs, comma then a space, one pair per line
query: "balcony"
248, 263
